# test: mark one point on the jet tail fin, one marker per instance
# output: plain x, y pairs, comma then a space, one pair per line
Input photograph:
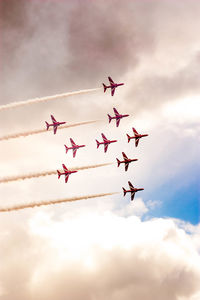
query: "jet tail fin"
109, 118
47, 124
97, 144
128, 136
118, 162
105, 87
124, 191
66, 148
58, 174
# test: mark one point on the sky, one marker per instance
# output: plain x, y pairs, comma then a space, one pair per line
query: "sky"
111, 247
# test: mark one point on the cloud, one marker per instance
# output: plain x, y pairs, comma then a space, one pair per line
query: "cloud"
101, 256
153, 89
87, 253
71, 45
107, 36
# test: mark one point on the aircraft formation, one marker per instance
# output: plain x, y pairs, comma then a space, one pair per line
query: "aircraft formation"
105, 142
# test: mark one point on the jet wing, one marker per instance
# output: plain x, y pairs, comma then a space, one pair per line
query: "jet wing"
117, 122
53, 119
112, 91
136, 142
104, 138
116, 112
72, 142
126, 166
55, 129
64, 167
110, 79
66, 178
135, 131
105, 147
132, 195
124, 156
74, 152
130, 185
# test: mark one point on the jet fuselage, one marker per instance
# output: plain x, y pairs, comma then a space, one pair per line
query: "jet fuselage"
57, 124
76, 147
114, 85
119, 116
67, 172
134, 190
107, 142
139, 136
128, 161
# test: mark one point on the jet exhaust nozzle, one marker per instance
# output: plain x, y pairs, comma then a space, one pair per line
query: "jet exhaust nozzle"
105, 87
118, 162
59, 174
47, 124
66, 148
124, 191
97, 144
129, 138
109, 118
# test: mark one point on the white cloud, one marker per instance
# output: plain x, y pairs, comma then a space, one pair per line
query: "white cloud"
101, 256
182, 111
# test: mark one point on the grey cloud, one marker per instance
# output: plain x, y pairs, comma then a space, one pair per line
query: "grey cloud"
106, 37
153, 90
70, 44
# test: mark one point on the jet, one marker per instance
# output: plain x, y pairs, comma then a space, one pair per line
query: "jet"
112, 86
55, 124
137, 137
118, 117
126, 161
74, 147
105, 142
132, 190
66, 173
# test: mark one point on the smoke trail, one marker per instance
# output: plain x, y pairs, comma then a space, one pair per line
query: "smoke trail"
34, 204
44, 99
48, 173
24, 134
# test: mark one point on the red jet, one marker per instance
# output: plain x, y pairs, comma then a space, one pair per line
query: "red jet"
55, 124
105, 142
66, 173
137, 137
112, 86
74, 147
126, 161
132, 190
118, 117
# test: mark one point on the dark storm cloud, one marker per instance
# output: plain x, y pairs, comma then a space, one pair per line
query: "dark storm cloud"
60, 46
54, 45
105, 37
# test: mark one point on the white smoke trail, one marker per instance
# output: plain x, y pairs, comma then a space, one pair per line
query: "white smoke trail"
24, 134
44, 99
34, 204
47, 173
